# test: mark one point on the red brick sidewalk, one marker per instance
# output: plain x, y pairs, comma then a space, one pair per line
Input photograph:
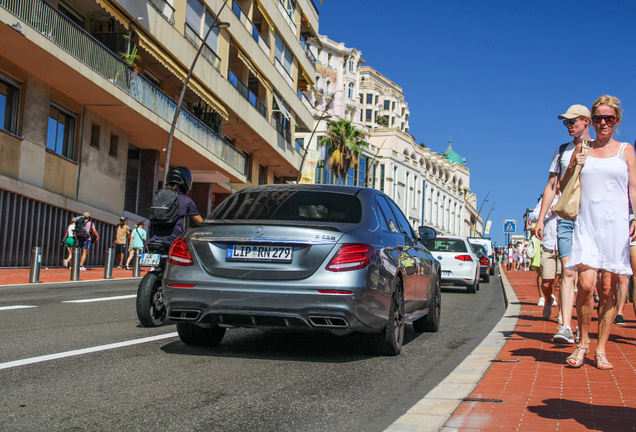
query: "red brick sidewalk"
15, 276
539, 392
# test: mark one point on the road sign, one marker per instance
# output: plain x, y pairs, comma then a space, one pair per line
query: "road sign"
509, 226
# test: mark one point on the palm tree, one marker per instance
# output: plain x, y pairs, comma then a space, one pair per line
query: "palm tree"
345, 144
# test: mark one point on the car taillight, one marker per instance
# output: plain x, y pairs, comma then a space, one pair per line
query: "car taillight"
463, 257
180, 254
351, 256
484, 261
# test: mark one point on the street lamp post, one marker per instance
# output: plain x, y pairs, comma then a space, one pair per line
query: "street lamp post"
318, 120
491, 209
216, 23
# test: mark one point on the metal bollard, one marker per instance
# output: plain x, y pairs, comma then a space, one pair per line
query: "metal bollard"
36, 263
110, 262
75, 266
136, 266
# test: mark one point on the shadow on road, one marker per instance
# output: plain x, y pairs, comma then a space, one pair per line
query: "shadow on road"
288, 345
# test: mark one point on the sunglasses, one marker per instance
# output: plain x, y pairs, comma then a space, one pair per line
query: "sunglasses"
570, 121
609, 119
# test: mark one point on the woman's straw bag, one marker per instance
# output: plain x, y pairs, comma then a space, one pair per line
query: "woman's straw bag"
570, 200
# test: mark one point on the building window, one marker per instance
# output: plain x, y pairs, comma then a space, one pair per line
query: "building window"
71, 14
387, 104
377, 99
247, 169
407, 193
300, 144
329, 60
395, 184
200, 20
361, 98
392, 121
350, 65
327, 85
283, 54
375, 116
415, 192
369, 98
350, 94
394, 106
60, 136
95, 132
9, 104
262, 174
277, 179
114, 144
403, 109
368, 118
382, 176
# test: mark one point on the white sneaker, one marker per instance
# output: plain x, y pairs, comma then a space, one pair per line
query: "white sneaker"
541, 302
554, 302
82, 268
564, 335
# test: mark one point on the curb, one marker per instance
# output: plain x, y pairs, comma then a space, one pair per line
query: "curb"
49, 284
433, 411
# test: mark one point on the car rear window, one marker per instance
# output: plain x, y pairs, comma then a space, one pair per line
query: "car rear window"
479, 248
446, 245
290, 205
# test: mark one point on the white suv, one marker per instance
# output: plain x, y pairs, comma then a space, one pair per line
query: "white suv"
458, 262
491, 253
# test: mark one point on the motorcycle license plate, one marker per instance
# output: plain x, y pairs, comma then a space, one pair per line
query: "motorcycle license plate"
259, 253
149, 260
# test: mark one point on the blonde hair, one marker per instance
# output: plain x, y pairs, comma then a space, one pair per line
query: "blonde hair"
612, 102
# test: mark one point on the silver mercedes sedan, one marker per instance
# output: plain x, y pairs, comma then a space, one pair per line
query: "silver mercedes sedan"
316, 257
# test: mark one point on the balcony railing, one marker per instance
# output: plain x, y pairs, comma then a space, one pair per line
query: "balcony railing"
207, 52
56, 27
304, 100
165, 8
282, 130
247, 93
287, 15
240, 13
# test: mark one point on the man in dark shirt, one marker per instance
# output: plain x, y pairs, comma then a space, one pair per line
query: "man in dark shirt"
180, 180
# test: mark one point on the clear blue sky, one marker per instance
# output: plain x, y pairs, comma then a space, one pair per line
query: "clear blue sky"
494, 76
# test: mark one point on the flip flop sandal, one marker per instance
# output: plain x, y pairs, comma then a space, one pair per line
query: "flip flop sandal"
602, 363
574, 360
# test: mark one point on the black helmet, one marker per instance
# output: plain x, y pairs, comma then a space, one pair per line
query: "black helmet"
180, 176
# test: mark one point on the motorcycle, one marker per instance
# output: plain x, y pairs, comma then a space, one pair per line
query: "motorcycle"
151, 309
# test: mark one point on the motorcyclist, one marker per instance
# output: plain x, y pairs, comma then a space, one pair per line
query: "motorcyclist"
161, 237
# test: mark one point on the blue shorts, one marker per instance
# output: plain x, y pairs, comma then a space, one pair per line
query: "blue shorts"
564, 237
84, 243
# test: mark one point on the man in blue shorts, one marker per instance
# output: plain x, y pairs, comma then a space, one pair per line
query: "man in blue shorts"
577, 121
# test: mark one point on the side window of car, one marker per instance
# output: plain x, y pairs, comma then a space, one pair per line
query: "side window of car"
405, 227
385, 210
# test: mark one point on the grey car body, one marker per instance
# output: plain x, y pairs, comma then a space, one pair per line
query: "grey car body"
316, 222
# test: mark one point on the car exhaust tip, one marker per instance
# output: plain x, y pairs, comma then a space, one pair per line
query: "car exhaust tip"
328, 322
184, 314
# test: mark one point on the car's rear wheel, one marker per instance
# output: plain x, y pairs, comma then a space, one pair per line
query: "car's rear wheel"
474, 287
389, 341
430, 322
194, 335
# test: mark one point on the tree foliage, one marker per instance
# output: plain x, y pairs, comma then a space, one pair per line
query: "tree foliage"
382, 121
345, 143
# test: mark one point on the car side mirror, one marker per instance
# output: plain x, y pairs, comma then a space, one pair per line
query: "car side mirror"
426, 233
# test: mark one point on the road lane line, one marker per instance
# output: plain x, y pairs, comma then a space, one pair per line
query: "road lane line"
15, 307
101, 299
99, 348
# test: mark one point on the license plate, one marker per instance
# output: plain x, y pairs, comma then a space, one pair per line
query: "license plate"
446, 273
259, 253
149, 260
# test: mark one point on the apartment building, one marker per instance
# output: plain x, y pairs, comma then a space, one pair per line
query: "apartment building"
88, 92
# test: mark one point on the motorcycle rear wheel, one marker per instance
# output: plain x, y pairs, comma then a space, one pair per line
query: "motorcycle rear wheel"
151, 310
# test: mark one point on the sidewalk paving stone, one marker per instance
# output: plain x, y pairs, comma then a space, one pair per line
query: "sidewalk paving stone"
540, 392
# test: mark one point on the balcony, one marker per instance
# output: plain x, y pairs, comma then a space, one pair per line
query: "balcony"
308, 53
207, 52
164, 8
64, 33
238, 11
246, 93
284, 73
282, 130
304, 100
288, 17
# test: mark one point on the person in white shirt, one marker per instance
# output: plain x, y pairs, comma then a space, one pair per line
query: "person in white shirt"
550, 263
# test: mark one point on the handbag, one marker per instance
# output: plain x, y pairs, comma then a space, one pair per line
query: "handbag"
570, 200
531, 250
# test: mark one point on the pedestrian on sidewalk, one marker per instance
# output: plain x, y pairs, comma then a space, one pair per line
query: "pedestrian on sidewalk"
84, 230
577, 121
510, 256
550, 263
69, 242
601, 238
119, 241
137, 242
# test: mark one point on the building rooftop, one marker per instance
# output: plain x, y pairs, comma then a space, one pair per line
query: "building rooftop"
452, 156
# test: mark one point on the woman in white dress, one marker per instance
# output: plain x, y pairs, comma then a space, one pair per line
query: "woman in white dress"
602, 230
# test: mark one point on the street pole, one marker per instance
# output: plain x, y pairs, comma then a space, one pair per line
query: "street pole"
302, 162
484, 202
215, 24
491, 209
366, 174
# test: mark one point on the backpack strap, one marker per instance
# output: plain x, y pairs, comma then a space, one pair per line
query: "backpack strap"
562, 148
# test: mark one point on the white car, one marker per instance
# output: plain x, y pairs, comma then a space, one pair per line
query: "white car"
458, 262
491, 253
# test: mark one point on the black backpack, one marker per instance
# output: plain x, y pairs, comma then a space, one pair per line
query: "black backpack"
80, 229
165, 208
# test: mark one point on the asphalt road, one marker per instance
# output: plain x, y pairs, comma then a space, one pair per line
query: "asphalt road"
255, 380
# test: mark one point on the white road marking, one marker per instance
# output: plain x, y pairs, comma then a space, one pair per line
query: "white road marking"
101, 299
44, 358
15, 307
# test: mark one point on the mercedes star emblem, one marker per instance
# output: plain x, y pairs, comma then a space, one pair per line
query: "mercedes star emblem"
258, 231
